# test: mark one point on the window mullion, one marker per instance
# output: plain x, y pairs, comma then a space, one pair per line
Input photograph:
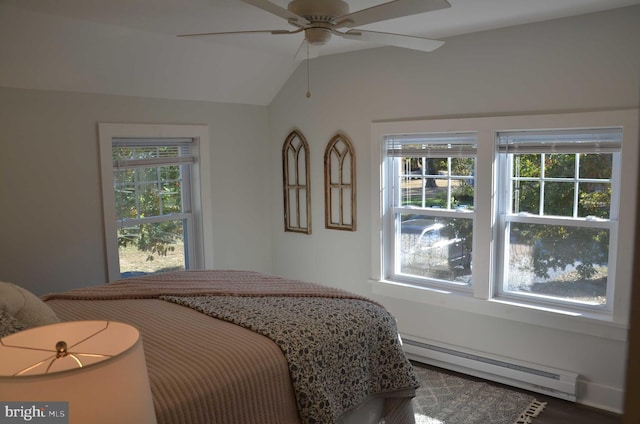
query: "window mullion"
158, 184
423, 167
558, 221
576, 186
488, 192
542, 183
449, 199
614, 213
136, 185
130, 222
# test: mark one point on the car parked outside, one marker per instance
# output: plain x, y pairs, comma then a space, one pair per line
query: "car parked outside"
433, 246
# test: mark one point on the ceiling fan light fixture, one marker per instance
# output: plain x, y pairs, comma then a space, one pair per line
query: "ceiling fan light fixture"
317, 36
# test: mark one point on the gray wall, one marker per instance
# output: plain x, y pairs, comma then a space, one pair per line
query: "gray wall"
584, 63
51, 214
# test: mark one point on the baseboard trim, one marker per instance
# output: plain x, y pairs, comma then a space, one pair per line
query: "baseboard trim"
600, 396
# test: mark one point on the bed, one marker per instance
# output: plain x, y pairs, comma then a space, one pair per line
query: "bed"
238, 347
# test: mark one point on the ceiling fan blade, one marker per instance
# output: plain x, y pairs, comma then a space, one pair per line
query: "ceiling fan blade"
304, 54
389, 39
265, 5
389, 10
266, 31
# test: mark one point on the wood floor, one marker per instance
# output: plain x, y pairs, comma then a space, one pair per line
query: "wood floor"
559, 411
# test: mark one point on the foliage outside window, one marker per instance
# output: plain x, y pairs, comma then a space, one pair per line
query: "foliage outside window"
432, 204
559, 214
153, 212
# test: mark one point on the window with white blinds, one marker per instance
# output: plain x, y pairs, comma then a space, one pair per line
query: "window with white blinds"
152, 193
559, 211
528, 210
156, 197
432, 204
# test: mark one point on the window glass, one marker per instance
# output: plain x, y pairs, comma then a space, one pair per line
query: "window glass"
437, 248
432, 205
569, 263
153, 211
557, 243
151, 248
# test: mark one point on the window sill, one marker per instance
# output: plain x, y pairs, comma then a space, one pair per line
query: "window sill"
592, 324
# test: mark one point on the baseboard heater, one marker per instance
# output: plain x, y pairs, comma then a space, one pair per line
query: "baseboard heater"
535, 378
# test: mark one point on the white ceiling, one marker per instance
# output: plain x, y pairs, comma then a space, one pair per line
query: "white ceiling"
162, 20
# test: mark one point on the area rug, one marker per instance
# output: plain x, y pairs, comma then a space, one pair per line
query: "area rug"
444, 398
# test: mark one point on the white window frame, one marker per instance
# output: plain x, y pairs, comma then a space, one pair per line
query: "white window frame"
505, 217
201, 202
453, 145
482, 300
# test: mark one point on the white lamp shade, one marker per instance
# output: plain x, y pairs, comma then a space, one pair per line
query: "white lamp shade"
112, 386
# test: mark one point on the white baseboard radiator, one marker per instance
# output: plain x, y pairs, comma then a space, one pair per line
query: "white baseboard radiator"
535, 378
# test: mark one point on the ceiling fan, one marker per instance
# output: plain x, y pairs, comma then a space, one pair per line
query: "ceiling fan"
320, 19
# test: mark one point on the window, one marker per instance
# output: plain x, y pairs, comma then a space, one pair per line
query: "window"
152, 189
558, 208
153, 204
431, 204
521, 217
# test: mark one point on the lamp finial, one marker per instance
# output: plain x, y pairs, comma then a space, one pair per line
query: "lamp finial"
61, 349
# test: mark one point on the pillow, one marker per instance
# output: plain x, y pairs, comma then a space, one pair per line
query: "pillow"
9, 325
24, 306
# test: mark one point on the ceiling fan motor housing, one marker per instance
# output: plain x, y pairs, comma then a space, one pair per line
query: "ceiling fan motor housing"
319, 10
321, 14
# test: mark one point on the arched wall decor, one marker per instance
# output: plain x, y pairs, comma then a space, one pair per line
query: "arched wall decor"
296, 183
340, 184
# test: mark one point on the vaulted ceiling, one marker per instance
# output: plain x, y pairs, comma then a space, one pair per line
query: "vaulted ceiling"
129, 47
